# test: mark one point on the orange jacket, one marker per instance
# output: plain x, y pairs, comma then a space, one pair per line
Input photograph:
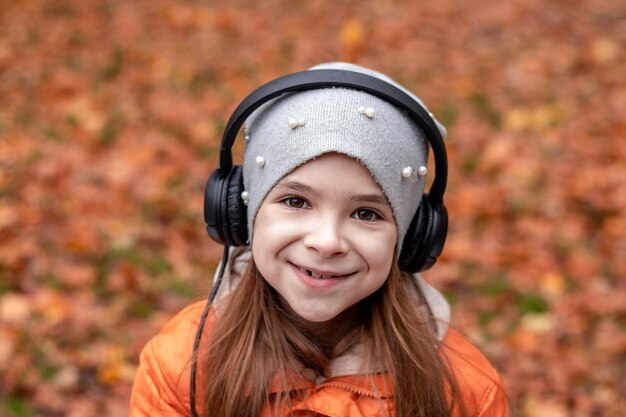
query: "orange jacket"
161, 386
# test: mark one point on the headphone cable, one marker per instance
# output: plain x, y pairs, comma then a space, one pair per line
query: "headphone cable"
196, 343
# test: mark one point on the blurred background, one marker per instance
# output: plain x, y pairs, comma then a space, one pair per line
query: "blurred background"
111, 113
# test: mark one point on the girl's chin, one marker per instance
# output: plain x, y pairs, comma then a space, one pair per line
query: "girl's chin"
326, 318
312, 317
318, 319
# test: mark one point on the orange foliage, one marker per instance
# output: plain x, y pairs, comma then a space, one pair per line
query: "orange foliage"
110, 119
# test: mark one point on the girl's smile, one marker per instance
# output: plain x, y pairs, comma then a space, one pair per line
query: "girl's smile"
324, 237
319, 280
317, 274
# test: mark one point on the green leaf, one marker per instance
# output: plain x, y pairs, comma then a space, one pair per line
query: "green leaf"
16, 407
532, 303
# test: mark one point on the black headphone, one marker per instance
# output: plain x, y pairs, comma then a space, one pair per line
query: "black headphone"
225, 211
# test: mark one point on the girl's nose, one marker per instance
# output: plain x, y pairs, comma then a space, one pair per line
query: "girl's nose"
326, 238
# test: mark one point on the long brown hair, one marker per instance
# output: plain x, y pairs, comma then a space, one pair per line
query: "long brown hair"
255, 344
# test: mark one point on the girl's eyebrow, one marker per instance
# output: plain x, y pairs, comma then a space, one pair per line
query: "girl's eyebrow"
298, 186
369, 198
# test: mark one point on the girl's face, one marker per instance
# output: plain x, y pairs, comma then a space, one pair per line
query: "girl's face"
324, 237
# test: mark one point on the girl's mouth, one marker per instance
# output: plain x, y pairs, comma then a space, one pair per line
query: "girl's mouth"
315, 275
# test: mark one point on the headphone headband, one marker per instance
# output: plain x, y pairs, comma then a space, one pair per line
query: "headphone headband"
327, 78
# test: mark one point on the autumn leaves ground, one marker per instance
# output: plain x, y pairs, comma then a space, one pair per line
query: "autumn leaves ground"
111, 112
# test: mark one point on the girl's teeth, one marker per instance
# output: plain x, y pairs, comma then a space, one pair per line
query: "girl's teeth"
317, 276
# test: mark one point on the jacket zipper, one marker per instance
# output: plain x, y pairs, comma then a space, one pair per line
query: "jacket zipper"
349, 388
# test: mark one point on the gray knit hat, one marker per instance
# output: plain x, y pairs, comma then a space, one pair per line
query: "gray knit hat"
294, 128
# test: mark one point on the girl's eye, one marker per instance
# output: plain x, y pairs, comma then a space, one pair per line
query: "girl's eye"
296, 202
366, 215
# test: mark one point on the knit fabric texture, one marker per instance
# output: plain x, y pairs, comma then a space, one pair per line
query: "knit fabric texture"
334, 120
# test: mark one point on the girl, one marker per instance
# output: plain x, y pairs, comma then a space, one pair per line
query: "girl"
318, 313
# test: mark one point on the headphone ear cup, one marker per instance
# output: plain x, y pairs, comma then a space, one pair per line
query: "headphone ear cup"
213, 191
412, 251
235, 227
224, 211
425, 237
